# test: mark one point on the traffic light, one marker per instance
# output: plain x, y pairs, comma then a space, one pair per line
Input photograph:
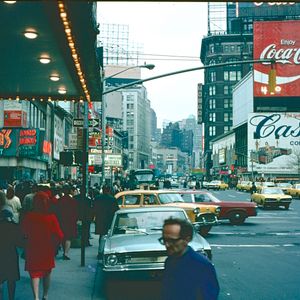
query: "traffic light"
272, 79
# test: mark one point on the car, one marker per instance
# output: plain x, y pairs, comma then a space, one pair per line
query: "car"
244, 186
174, 182
284, 186
205, 215
131, 247
264, 184
217, 185
295, 190
234, 211
271, 197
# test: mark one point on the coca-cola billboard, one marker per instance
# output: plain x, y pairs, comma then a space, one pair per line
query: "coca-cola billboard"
279, 40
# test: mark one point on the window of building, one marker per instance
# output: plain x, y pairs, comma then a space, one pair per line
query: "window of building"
212, 117
226, 76
226, 129
227, 103
226, 117
213, 76
226, 89
212, 130
212, 62
212, 103
212, 90
212, 48
226, 48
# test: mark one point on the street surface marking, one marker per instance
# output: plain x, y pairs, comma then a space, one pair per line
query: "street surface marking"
252, 246
256, 233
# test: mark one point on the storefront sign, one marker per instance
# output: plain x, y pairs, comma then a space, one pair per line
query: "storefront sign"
274, 142
15, 118
29, 142
8, 142
277, 40
58, 142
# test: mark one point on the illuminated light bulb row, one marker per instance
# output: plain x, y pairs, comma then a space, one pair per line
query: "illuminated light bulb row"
49, 99
75, 56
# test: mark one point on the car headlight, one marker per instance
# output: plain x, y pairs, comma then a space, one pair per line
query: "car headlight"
112, 260
196, 211
218, 210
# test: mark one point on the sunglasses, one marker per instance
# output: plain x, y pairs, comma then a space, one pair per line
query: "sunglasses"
169, 241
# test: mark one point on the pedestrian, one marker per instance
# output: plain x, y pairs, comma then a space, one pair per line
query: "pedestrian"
188, 275
43, 234
67, 208
253, 188
14, 202
11, 238
105, 206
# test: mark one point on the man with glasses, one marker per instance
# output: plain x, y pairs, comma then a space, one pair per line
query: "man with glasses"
188, 275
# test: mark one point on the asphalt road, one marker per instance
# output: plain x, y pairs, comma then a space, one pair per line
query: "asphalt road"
261, 258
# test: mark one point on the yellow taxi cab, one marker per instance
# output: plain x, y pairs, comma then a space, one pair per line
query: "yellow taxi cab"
217, 185
271, 197
205, 215
294, 191
243, 185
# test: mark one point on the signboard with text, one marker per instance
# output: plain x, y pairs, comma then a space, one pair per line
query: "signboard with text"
278, 40
273, 142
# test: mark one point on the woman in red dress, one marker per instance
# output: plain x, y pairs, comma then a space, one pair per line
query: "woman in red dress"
43, 234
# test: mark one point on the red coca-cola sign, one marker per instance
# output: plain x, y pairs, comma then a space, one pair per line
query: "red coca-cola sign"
279, 40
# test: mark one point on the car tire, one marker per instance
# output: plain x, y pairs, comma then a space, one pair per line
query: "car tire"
205, 230
286, 206
237, 217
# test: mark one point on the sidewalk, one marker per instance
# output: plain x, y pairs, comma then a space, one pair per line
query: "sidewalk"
68, 280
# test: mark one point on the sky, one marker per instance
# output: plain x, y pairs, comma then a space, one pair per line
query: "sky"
165, 28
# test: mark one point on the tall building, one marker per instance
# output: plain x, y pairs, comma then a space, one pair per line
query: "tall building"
153, 125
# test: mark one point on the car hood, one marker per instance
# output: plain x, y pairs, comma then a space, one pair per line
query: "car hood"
277, 196
122, 243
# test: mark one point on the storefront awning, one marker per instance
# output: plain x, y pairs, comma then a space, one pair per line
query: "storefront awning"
66, 34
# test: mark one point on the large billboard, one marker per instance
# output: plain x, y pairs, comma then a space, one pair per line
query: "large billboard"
279, 40
267, 9
274, 143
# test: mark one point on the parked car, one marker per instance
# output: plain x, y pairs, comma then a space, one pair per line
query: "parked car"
295, 190
234, 211
284, 186
217, 185
131, 247
204, 215
271, 197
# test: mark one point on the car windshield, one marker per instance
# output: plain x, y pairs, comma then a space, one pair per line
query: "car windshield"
169, 198
272, 191
144, 177
198, 198
284, 184
143, 222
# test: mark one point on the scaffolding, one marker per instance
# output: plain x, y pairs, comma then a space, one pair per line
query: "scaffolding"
118, 49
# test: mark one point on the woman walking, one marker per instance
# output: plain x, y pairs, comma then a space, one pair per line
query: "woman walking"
43, 234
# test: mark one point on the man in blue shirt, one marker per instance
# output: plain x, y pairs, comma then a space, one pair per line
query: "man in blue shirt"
188, 275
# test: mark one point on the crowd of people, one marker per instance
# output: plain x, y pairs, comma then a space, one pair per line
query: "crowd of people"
43, 219
39, 220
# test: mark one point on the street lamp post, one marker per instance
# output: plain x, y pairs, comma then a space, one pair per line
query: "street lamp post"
103, 110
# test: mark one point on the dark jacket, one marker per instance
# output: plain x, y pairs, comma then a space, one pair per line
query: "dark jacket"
105, 206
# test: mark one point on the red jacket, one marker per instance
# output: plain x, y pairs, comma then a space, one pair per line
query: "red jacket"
43, 235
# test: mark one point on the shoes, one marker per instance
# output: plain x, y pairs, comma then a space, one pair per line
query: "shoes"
65, 257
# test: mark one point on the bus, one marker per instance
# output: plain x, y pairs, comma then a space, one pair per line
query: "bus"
145, 178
